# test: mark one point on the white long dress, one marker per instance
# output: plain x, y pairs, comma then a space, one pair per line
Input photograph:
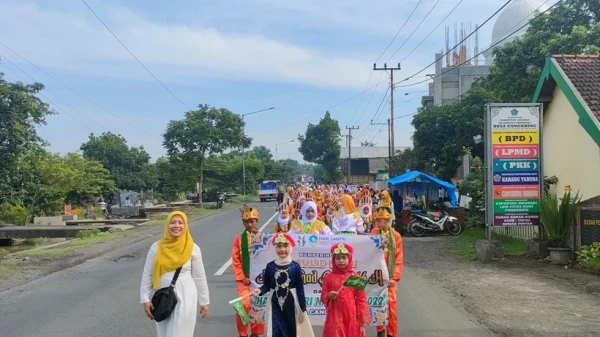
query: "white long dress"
191, 290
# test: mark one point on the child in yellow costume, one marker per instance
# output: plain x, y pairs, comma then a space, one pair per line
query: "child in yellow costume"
308, 223
283, 219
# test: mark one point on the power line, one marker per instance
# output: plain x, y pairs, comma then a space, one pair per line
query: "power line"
432, 31
371, 73
490, 47
76, 92
135, 57
411, 34
51, 93
43, 96
379, 83
400, 30
370, 98
459, 43
318, 113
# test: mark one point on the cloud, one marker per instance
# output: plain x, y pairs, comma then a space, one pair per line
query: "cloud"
73, 40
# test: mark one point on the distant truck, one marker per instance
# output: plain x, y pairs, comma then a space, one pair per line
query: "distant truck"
268, 190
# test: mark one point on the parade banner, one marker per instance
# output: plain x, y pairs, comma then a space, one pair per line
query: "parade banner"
312, 253
513, 154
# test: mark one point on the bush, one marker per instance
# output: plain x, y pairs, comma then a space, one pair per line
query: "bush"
13, 214
589, 257
87, 233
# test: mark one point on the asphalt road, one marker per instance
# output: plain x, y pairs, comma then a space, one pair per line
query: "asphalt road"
100, 298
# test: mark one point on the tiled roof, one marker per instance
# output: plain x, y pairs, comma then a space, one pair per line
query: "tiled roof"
584, 72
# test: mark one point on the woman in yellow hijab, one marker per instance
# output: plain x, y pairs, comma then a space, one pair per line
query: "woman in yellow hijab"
176, 250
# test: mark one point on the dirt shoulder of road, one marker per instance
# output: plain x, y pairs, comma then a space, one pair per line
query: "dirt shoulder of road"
28, 265
517, 296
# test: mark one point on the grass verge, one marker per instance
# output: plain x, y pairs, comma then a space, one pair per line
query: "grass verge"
465, 246
74, 244
8, 269
591, 264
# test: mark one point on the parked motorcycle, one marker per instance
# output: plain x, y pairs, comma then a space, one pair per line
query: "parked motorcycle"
421, 224
220, 199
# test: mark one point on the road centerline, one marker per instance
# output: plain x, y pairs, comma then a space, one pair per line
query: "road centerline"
228, 263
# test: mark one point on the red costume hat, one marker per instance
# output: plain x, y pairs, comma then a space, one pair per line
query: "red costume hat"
283, 238
339, 249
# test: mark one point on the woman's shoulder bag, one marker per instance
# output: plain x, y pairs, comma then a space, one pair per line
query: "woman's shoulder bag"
164, 300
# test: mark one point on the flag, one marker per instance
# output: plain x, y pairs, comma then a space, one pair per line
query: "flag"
238, 306
357, 282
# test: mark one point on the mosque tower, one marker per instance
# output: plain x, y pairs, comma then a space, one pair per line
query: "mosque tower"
512, 17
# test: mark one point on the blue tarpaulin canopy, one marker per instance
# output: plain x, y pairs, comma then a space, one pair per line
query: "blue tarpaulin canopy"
420, 177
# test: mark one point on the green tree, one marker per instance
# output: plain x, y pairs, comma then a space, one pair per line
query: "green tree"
174, 178
129, 166
206, 131
320, 145
20, 113
366, 143
90, 180
47, 178
474, 187
279, 170
263, 153
570, 28
407, 159
442, 133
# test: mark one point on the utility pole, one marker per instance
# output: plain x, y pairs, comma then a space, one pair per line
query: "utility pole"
388, 123
385, 68
350, 150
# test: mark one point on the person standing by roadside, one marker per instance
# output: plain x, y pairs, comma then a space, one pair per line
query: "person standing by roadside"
280, 194
176, 250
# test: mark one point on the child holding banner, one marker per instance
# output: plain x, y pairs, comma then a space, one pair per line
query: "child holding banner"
284, 286
240, 263
347, 309
394, 256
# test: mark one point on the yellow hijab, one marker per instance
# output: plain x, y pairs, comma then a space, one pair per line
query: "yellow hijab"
172, 252
348, 204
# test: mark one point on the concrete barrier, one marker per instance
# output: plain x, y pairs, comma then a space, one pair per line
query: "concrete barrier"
59, 220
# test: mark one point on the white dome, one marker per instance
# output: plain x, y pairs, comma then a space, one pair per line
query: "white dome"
518, 13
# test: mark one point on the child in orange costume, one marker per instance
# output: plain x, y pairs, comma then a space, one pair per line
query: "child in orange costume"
240, 257
394, 257
347, 308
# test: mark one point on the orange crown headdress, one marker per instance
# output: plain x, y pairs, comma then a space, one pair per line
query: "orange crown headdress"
284, 210
249, 213
382, 213
310, 196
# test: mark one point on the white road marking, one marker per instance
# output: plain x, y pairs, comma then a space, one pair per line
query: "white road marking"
228, 263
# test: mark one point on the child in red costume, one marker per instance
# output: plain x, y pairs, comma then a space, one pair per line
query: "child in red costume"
347, 309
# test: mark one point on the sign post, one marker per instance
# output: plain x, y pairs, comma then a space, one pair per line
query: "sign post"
514, 179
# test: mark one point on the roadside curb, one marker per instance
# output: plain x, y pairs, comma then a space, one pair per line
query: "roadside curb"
83, 259
58, 244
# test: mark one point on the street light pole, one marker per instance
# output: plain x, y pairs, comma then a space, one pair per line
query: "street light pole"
291, 141
244, 148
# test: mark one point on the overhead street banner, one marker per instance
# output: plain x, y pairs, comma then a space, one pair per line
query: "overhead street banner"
514, 160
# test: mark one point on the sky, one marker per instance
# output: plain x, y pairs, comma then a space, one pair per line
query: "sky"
301, 57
